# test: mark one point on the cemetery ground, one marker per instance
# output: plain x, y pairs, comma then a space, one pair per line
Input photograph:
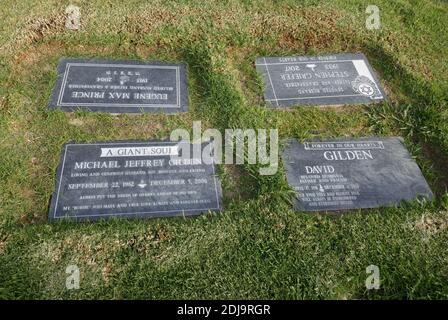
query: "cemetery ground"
258, 247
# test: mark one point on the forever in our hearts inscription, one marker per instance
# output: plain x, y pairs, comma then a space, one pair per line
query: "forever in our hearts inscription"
134, 179
116, 86
350, 174
319, 80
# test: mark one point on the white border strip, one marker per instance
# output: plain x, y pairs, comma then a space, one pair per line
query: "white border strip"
272, 85
295, 62
320, 97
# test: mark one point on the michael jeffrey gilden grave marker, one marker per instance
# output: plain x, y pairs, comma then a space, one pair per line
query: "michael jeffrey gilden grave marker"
319, 80
120, 86
349, 174
133, 179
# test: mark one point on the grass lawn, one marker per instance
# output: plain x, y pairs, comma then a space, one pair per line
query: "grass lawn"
258, 247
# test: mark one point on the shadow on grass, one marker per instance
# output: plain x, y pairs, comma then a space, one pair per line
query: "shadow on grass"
423, 118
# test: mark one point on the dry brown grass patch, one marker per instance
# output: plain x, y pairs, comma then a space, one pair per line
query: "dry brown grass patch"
432, 224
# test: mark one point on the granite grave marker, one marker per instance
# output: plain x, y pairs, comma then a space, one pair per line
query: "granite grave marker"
319, 80
348, 174
134, 179
120, 86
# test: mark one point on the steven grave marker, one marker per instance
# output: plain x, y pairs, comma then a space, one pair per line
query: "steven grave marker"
319, 80
120, 86
134, 179
349, 174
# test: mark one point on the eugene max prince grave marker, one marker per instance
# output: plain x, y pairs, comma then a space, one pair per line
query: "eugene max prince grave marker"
350, 174
134, 179
116, 86
319, 80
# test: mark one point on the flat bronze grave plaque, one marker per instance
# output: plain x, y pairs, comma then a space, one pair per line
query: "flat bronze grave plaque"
120, 86
319, 80
133, 179
351, 174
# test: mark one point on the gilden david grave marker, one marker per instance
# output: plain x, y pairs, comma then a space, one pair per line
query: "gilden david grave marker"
133, 179
116, 86
350, 174
319, 80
